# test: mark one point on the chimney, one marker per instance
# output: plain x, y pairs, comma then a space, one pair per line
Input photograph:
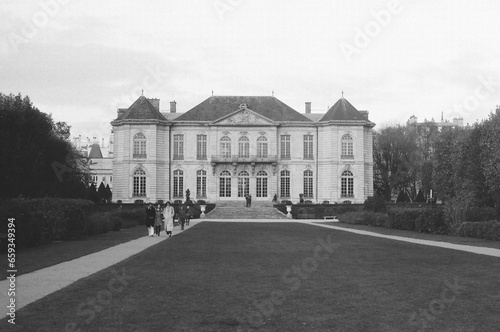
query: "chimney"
308, 107
121, 111
364, 114
155, 102
173, 106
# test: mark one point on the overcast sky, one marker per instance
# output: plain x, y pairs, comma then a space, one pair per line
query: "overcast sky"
81, 60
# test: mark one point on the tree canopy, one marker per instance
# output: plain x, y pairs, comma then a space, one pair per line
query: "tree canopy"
37, 158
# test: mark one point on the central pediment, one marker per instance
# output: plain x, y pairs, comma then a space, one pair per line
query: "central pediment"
244, 116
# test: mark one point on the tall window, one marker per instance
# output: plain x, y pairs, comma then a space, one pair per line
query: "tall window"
347, 185
178, 183
285, 184
201, 147
347, 147
308, 184
262, 147
225, 184
139, 183
139, 146
244, 147
308, 147
178, 146
285, 147
261, 184
243, 184
201, 184
225, 146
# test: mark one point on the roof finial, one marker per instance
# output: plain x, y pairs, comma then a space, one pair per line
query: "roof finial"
273, 93
342, 94
212, 93
142, 92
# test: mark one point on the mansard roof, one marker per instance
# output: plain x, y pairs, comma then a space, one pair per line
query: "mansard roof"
141, 110
343, 111
95, 151
217, 107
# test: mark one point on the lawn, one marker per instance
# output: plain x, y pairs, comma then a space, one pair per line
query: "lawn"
278, 277
35, 258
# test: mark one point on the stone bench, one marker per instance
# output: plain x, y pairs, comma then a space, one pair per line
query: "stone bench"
334, 218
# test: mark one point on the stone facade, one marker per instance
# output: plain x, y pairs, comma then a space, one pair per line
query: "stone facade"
228, 147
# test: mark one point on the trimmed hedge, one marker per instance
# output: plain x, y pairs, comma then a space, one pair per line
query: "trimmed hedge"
376, 219
480, 214
43, 220
489, 230
418, 220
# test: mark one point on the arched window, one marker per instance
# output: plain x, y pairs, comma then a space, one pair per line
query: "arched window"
178, 183
261, 184
262, 147
308, 184
225, 184
139, 185
285, 184
243, 184
225, 146
139, 146
347, 184
244, 147
347, 147
201, 184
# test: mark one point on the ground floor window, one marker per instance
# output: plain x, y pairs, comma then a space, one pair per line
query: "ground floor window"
139, 187
308, 184
178, 183
243, 184
201, 184
261, 184
347, 184
285, 184
225, 184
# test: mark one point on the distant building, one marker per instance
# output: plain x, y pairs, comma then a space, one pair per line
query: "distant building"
228, 147
100, 159
457, 122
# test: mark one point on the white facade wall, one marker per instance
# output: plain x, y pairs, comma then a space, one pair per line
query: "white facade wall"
326, 164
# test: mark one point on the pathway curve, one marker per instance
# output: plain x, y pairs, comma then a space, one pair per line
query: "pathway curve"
33, 286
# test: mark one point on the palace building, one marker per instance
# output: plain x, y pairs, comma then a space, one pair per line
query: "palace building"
228, 147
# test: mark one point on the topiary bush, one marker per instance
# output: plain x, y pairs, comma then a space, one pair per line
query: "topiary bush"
475, 213
375, 204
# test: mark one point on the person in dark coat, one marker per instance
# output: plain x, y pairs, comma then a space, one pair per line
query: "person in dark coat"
150, 219
249, 200
158, 219
182, 216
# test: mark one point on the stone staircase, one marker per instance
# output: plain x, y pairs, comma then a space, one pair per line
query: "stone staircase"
237, 210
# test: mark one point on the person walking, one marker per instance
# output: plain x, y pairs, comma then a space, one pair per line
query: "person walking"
249, 200
189, 214
158, 219
168, 214
182, 216
150, 219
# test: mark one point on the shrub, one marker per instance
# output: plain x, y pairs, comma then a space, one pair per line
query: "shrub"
375, 204
43, 220
475, 213
432, 221
98, 223
489, 230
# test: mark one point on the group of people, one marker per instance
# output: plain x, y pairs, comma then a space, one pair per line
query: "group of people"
163, 216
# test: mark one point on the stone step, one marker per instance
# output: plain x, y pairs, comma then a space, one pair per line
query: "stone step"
254, 212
